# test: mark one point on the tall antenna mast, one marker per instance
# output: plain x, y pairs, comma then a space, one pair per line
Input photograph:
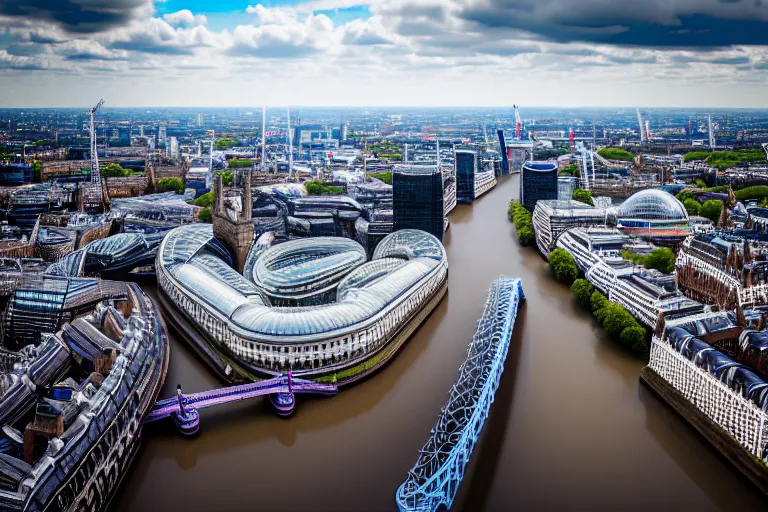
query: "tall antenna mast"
290, 146
95, 174
264, 139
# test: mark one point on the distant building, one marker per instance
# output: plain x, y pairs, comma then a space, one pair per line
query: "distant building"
418, 199
173, 148
551, 218
473, 176
199, 119
538, 182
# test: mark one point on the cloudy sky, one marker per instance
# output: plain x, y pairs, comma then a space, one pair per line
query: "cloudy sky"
705, 53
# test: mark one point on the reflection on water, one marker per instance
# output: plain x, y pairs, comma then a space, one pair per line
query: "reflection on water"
571, 428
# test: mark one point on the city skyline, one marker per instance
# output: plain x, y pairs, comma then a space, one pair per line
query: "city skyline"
482, 53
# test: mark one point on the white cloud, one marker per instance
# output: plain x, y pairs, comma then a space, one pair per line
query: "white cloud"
185, 18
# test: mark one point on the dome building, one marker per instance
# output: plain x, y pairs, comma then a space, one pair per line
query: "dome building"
653, 213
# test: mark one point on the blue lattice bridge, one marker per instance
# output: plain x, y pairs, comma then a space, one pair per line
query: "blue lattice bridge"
435, 478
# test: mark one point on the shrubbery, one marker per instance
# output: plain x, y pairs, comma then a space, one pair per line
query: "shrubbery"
205, 215
115, 171
618, 323
563, 265
205, 200
661, 259
237, 163
692, 206
711, 209
616, 154
584, 196
170, 185
752, 193
523, 223
583, 291
318, 188
571, 170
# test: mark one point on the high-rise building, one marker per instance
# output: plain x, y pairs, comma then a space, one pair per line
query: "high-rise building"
466, 162
418, 199
199, 120
161, 133
538, 182
173, 148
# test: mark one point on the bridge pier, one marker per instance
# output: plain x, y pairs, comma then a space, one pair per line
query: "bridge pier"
187, 419
284, 403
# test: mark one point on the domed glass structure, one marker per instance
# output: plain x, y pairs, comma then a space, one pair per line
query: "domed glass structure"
654, 213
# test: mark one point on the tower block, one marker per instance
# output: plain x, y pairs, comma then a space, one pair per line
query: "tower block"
236, 235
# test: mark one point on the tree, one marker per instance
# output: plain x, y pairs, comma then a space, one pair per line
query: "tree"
616, 154
318, 188
634, 339
617, 319
37, 171
597, 300
661, 259
583, 291
711, 209
563, 265
170, 185
570, 170
205, 215
583, 196
525, 236
692, 206
386, 177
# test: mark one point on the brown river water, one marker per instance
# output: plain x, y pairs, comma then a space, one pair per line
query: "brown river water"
572, 427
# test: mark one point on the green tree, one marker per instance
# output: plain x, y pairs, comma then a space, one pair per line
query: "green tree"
634, 339
170, 185
239, 163
756, 193
37, 172
521, 218
584, 196
597, 300
318, 188
695, 155
571, 170
563, 265
661, 259
692, 206
617, 319
583, 291
226, 178
684, 195
525, 236
114, 170
205, 215
711, 209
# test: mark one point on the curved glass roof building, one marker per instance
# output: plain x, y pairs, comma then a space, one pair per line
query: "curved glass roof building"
315, 307
654, 213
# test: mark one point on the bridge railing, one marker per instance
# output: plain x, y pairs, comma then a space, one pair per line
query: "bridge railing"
435, 478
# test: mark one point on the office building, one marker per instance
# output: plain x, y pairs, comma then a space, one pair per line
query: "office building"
418, 199
538, 182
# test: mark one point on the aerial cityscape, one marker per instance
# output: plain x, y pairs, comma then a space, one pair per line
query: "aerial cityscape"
361, 256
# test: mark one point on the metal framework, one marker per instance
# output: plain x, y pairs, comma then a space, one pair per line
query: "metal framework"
435, 478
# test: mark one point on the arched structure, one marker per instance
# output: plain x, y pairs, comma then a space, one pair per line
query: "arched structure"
242, 335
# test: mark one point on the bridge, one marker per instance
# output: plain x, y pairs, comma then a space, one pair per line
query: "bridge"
434, 480
184, 408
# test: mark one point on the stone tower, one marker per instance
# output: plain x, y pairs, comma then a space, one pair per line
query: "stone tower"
237, 235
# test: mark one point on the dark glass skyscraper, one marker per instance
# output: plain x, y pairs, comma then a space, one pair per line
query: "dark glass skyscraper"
466, 168
418, 199
538, 182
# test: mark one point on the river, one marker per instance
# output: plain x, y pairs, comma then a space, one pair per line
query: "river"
572, 427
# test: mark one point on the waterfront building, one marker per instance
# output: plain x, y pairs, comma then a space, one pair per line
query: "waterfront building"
724, 268
654, 214
473, 176
418, 201
377, 304
538, 182
646, 294
724, 399
551, 218
73, 402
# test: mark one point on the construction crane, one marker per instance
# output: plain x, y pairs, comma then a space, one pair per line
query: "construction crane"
95, 173
648, 135
642, 127
571, 138
517, 123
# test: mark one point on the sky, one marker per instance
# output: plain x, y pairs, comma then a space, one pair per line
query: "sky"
644, 53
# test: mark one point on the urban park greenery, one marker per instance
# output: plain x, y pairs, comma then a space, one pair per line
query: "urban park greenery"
692, 206
205, 215
661, 259
616, 154
386, 177
205, 200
